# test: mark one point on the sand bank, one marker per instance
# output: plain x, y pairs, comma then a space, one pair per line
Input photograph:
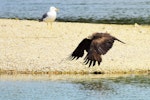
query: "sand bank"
30, 47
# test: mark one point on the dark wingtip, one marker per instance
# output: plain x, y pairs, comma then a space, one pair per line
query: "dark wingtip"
72, 57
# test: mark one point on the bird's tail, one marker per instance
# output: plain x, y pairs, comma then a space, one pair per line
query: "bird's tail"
120, 41
40, 20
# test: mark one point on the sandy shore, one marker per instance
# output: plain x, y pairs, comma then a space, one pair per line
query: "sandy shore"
30, 47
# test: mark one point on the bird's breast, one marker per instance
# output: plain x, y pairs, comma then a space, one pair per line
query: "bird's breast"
51, 17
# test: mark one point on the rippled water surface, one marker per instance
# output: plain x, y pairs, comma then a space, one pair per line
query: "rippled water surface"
74, 87
100, 11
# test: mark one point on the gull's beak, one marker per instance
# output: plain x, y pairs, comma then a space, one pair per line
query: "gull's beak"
57, 9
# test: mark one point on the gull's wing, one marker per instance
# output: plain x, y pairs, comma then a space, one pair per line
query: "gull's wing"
43, 17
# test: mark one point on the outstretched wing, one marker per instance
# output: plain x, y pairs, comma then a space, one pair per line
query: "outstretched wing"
104, 44
79, 51
98, 47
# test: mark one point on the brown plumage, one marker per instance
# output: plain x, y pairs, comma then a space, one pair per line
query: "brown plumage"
98, 44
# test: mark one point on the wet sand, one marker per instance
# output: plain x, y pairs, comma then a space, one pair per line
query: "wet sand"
31, 47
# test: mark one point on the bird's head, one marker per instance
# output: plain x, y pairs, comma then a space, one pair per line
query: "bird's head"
54, 9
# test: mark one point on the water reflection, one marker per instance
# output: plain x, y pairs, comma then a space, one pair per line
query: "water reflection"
96, 84
107, 84
138, 80
74, 87
128, 87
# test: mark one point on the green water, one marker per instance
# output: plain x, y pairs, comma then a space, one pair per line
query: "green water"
74, 87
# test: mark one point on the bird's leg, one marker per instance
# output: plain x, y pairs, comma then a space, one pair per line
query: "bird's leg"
51, 26
47, 24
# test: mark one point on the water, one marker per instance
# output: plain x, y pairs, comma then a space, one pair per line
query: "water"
97, 11
74, 87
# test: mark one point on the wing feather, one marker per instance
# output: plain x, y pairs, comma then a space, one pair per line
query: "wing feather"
103, 45
79, 51
99, 46
92, 57
44, 16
